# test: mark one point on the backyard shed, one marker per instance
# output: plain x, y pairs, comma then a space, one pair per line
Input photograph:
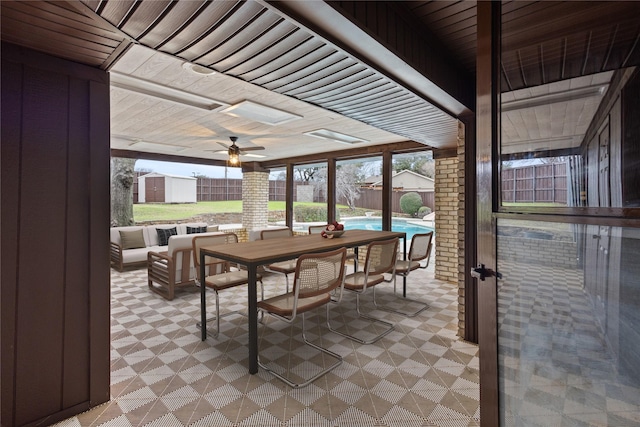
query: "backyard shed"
164, 188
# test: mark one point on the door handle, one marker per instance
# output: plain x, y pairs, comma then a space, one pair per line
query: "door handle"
481, 272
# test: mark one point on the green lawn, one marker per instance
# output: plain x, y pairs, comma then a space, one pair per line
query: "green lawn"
179, 211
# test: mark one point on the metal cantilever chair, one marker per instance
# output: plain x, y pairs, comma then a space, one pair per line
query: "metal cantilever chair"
284, 267
219, 275
317, 229
420, 250
381, 259
316, 277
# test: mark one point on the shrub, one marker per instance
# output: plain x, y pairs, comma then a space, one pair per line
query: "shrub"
410, 203
424, 210
312, 213
309, 213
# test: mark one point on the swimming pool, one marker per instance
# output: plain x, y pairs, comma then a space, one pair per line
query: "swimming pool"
376, 224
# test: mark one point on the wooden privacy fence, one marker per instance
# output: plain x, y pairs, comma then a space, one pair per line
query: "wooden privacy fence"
537, 183
220, 189
372, 199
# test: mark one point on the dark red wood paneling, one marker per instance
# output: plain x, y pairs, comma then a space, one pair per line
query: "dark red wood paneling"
76, 340
41, 248
99, 214
10, 173
55, 277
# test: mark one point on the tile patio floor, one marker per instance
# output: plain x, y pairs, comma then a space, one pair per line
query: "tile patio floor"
421, 374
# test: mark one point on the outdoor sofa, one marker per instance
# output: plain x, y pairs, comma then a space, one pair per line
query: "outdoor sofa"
131, 244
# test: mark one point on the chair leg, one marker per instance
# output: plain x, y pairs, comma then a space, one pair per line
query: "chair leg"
214, 334
390, 326
308, 381
423, 306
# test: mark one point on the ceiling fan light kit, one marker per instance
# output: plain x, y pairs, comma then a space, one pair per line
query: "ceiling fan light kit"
234, 158
234, 152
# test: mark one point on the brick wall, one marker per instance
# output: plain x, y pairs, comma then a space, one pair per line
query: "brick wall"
447, 195
242, 233
255, 200
543, 252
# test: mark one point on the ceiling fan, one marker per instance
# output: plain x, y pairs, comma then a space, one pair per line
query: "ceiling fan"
234, 151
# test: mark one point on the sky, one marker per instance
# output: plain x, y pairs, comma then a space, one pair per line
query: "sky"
187, 169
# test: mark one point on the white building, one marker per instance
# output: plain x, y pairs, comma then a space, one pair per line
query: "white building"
164, 188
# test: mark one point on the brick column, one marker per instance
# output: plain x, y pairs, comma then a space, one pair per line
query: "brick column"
255, 200
447, 191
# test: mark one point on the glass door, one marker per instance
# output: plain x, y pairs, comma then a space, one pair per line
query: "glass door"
561, 329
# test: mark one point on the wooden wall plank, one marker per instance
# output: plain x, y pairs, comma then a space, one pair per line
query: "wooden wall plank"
76, 293
99, 214
10, 172
42, 244
55, 323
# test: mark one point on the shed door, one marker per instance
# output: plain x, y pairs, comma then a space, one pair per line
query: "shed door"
154, 189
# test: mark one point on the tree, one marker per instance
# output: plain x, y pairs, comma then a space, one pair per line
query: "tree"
410, 203
347, 183
122, 176
423, 165
306, 174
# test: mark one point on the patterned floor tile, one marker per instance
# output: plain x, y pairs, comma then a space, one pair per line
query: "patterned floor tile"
163, 375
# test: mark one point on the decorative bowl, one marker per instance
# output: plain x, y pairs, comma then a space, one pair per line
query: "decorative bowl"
334, 233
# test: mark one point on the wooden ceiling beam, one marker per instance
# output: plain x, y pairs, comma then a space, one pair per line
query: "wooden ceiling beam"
376, 150
397, 147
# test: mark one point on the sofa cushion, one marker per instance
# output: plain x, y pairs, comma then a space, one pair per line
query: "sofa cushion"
132, 239
179, 242
182, 228
140, 254
164, 234
195, 230
114, 233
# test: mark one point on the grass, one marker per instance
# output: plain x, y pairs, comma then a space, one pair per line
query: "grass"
163, 212
180, 211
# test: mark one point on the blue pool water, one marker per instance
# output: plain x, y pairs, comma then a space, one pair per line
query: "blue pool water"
376, 224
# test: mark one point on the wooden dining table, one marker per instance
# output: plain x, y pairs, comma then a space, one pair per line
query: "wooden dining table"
262, 252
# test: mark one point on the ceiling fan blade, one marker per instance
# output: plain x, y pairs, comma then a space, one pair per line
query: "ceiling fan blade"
251, 148
224, 145
217, 151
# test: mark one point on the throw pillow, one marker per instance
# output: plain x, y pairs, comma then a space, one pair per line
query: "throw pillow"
132, 239
194, 230
164, 234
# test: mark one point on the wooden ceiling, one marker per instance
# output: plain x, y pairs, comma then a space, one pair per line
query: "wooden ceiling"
262, 53
543, 41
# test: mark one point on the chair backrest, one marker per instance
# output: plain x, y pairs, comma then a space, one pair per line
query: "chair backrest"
381, 256
316, 229
275, 233
319, 273
213, 265
421, 246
